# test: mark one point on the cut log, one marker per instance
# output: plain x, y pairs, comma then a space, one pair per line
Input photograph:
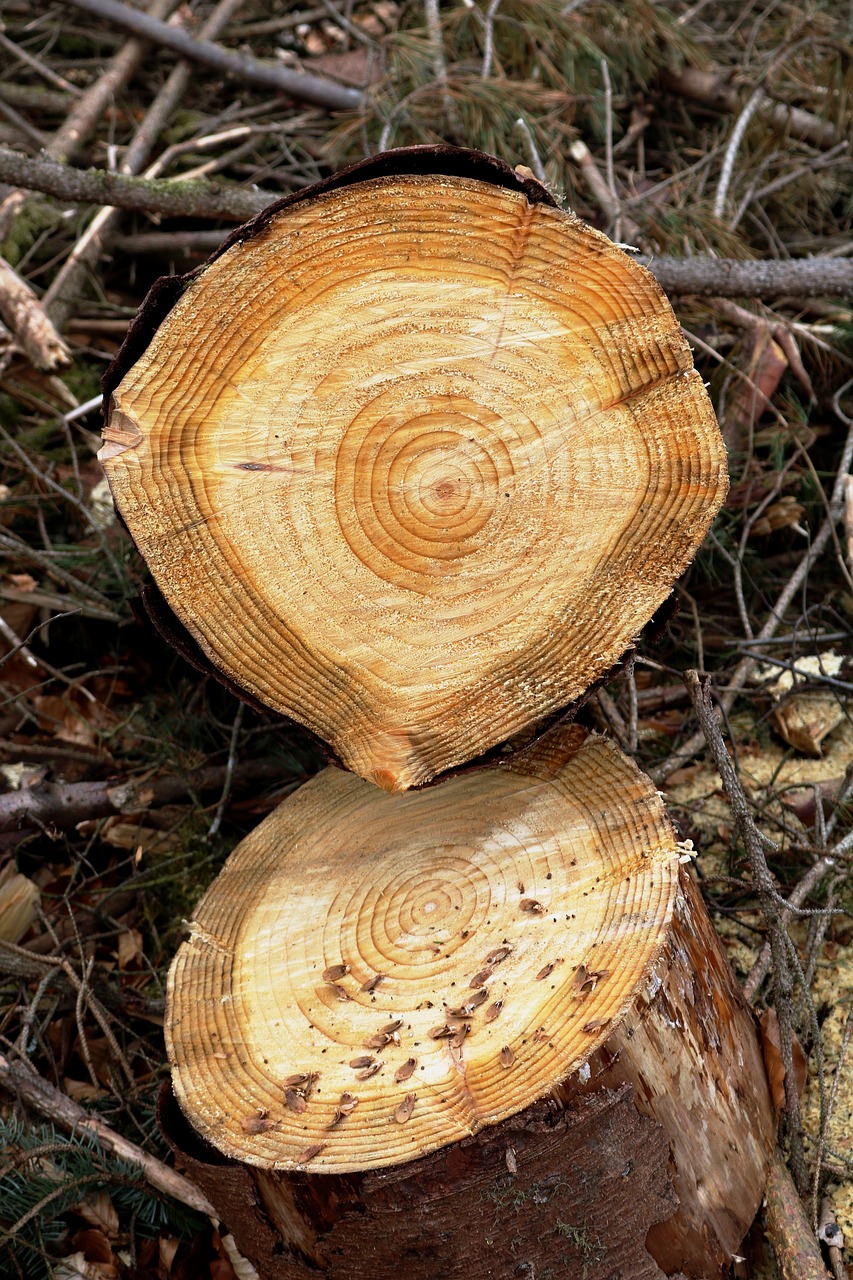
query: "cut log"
414, 458
479, 1025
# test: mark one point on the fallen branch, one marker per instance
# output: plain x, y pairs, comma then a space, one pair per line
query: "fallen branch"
797, 1251
33, 1091
26, 317
715, 90
245, 68
64, 804
194, 198
731, 278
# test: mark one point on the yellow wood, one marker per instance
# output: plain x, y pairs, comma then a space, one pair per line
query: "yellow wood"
372, 977
416, 464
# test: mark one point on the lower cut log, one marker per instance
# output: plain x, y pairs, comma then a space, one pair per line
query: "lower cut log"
645, 1156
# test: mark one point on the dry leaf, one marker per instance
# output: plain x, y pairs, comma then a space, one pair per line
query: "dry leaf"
98, 1210
18, 901
129, 948
76, 1267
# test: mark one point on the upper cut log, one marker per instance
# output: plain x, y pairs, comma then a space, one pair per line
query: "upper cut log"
414, 458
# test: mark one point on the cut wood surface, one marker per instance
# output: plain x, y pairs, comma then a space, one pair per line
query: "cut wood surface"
414, 458
374, 977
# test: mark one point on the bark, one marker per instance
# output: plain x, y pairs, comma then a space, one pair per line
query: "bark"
248, 70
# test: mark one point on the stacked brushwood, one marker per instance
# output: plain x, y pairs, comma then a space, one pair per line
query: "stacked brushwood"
413, 460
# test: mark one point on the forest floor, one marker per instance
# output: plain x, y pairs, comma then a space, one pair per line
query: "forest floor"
686, 129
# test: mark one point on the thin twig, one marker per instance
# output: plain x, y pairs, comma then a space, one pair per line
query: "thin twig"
229, 771
753, 103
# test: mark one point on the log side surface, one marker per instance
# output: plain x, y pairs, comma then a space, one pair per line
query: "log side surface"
414, 460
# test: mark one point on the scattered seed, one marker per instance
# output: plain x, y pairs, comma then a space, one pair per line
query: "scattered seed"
507, 1056
407, 1069
391, 1027
478, 998
425, 1004
531, 906
310, 1152
539, 1035
440, 1033
405, 1108
511, 1162
459, 1035
595, 1024
365, 1060
580, 977
293, 1082
295, 1100
339, 991
337, 1117
481, 978
258, 1123
372, 983
499, 954
493, 1011
520, 887
546, 971
594, 977
368, 1071
377, 1041
347, 1103
335, 972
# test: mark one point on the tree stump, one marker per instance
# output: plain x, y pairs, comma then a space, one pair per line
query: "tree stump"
414, 458
481, 1029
